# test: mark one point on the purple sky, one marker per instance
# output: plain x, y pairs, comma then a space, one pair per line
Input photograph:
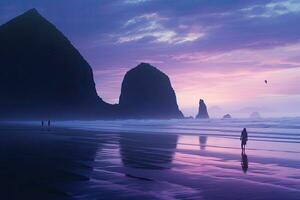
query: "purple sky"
218, 50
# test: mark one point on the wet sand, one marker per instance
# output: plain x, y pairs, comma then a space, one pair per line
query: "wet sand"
63, 163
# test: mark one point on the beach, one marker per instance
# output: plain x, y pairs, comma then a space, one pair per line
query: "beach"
151, 159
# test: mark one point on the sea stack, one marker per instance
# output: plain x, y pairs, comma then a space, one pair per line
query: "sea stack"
255, 115
147, 93
202, 111
227, 116
42, 73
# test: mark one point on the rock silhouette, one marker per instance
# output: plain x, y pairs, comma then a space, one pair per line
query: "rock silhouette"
42, 74
147, 93
202, 111
227, 116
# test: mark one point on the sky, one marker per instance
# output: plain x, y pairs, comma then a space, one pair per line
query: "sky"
221, 51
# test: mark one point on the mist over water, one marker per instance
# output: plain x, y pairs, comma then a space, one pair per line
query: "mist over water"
263, 129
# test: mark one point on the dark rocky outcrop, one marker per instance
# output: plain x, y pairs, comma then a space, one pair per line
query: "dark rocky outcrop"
202, 111
147, 93
227, 116
43, 75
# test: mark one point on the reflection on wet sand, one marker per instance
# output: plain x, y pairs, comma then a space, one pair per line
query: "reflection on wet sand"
38, 165
75, 164
147, 151
244, 161
202, 141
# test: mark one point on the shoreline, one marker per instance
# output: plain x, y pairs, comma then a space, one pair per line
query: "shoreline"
65, 163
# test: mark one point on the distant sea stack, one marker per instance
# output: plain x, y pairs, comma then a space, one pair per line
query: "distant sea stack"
255, 115
147, 93
202, 111
43, 75
227, 116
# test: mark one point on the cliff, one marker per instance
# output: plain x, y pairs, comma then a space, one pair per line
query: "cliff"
43, 75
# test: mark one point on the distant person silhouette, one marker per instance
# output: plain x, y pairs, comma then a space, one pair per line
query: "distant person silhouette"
244, 162
244, 138
49, 124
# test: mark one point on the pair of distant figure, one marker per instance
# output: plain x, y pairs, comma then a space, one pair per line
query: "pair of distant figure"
49, 123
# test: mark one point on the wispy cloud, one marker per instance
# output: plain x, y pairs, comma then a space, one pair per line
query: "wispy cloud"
135, 1
151, 26
273, 9
243, 60
149, 61
218, 50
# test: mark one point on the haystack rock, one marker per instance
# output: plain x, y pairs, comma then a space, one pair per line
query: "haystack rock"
43, 75
147, 93
202, 111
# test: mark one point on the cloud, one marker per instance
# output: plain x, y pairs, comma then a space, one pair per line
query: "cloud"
135, 1
243, 60
151, 26
272, 9
149, 61
210, 48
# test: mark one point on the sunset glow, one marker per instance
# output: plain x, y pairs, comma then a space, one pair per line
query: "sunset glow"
218, 51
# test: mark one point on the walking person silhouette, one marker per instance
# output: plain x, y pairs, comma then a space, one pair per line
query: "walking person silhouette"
244, 138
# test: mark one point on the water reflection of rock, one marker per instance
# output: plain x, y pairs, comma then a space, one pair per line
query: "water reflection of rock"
202, 141
148, 151
45, 166
244, 162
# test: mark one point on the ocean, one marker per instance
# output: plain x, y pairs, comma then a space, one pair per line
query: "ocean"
180, 159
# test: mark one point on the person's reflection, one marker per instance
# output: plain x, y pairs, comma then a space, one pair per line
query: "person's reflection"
148, 151
244, 162
203, 141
